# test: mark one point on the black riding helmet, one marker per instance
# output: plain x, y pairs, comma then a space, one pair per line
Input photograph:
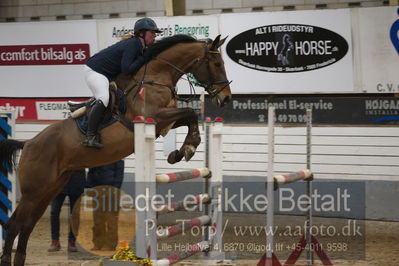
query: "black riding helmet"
144, 24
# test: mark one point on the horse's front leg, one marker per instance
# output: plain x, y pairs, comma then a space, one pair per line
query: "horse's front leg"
182, 117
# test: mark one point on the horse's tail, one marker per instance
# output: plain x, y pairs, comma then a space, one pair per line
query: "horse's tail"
8, 149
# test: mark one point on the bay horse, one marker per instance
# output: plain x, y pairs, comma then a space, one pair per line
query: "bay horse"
47, 160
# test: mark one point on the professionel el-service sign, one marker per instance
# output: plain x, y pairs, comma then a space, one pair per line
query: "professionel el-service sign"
289, 52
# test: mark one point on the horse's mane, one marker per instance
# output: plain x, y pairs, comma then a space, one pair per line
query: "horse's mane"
167, 42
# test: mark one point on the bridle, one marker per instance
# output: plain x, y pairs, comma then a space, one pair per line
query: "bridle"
199, 61
208, 86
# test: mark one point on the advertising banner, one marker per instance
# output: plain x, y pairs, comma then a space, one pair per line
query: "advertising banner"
39, 109
111, 30
245, 109
378, 46
295, 52
200, 27
53, 54
45, 59
327, 110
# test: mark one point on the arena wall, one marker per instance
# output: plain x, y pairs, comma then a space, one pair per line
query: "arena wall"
364, 157
366, 152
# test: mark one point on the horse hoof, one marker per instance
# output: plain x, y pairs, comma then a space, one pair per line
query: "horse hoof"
4, 263
174, 157
5, 260
19, 259
189, 152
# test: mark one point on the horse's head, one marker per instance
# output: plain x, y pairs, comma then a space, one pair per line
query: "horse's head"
210, 72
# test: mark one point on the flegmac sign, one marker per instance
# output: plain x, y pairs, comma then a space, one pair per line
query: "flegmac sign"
289, 52
287, 48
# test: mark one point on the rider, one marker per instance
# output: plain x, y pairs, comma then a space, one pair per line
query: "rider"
124, 57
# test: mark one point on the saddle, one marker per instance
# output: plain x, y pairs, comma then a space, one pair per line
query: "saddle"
79, 108
115, 110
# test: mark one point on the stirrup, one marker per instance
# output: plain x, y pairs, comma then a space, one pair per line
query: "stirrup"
75, 105
92, 142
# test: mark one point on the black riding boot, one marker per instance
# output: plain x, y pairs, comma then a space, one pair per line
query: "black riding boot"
95, 116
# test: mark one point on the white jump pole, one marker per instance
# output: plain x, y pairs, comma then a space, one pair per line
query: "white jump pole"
309, 187
306, 175
216, 167
146, 219
144, 140
206, 125
270, 188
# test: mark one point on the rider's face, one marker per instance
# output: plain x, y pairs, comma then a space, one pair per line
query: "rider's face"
149, 37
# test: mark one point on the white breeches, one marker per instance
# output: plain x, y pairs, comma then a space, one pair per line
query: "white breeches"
98, 84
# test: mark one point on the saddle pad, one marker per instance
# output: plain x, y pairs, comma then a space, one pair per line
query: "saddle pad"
82, 121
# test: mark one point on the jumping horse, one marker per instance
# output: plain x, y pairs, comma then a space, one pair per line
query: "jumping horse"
47, 160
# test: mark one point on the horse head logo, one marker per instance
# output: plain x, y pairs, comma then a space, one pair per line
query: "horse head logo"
394, 33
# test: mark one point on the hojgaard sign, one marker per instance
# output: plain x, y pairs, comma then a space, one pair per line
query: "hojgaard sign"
287, 48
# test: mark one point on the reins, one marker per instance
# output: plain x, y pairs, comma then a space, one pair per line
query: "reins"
208, 85
197, 63
151, 82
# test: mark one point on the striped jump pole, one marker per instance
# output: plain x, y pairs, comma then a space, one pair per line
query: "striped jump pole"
179, 256
183, 226
8, 195
183, 175
294, 177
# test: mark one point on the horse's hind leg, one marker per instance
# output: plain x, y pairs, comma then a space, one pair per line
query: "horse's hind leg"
32, 213
13, 229
31, 207
12, 232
